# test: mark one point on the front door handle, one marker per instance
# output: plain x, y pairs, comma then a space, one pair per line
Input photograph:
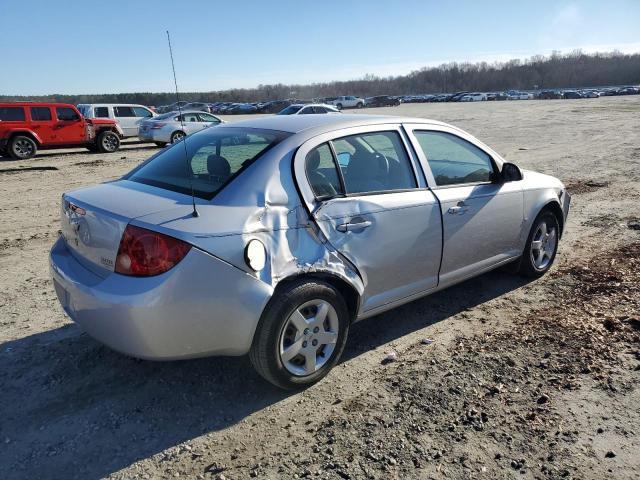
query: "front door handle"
355, 226
460, 209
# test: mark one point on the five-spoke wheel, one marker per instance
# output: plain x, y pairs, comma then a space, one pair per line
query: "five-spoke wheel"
542, 245
301, 334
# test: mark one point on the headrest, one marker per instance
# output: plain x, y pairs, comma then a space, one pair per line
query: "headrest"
217, 165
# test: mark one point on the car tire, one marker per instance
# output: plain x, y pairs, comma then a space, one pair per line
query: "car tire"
107, 142
542, 245
287, 325
177, 136
339, 106
360, 105
22, 147
161, 144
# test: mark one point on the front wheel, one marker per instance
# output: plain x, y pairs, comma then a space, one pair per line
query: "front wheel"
542, 245
107, 142
360, 105
339, 106
22, 147
301, 335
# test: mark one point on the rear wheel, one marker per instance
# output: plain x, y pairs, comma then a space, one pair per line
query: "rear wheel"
22, 147
301, 335
177, 136
542, 245
107, 142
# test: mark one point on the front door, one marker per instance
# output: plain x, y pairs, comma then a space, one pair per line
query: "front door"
372, 205
68, 127
482, 217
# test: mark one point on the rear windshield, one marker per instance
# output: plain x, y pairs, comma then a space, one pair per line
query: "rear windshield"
214, 158
164, 116
9, 114
290, 110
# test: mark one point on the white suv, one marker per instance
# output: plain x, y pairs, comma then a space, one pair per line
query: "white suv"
348, 101
129, 116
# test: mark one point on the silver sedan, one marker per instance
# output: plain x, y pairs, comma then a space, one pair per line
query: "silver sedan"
174, 126
272, 236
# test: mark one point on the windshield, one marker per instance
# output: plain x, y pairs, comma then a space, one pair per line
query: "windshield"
290, 110
215, 157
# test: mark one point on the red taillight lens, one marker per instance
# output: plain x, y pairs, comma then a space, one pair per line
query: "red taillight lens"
144, 253
157, 125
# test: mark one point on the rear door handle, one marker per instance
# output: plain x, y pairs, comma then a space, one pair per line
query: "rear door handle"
460, 209
353, 226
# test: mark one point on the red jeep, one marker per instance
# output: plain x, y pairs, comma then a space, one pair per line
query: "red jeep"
27, 126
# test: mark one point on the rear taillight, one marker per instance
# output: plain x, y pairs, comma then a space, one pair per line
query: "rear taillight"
157, 125
144, 253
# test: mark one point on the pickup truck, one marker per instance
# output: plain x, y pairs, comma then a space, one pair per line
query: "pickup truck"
348, 101
26, 127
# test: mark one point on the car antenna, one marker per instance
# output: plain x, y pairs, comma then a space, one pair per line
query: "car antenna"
184, 140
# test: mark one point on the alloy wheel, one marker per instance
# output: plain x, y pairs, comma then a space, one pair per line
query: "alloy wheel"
543, 246
110, 143
23, 148
309, 337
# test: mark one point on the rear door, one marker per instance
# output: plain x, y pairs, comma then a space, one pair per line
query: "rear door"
127, 118
482, 217
43, 123
371, 203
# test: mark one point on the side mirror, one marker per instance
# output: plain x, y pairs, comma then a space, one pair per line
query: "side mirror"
510, 173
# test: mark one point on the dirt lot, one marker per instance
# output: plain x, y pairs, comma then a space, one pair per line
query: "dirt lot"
522, 380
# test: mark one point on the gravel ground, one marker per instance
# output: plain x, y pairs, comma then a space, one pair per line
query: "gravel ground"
494, 378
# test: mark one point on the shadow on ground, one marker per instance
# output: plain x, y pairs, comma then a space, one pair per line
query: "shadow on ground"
71, 408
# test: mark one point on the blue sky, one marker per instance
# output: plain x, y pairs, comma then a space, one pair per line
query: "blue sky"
120, 46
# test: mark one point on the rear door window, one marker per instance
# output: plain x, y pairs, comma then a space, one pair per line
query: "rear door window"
101, 112
374, 162
322, 172
123, 112
12, 114
40, 113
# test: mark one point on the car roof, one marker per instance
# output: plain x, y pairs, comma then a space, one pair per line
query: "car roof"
297, 124
36, 104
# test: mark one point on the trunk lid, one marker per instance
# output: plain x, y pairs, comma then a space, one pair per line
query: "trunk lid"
93, 219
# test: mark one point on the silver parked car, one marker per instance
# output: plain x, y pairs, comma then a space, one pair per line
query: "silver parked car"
297, 227
307, 108
174, 126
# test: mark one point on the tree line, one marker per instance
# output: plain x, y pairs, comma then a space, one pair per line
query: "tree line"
572, 70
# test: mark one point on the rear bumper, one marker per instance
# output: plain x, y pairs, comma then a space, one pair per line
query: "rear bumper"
201, 307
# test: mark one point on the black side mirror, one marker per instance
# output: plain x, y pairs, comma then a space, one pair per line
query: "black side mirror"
510, 172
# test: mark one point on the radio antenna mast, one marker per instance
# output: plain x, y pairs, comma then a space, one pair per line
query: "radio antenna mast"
184, 140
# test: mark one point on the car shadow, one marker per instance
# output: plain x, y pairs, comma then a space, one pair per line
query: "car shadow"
72, 408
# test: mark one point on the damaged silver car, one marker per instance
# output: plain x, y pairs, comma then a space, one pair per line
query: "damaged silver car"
271, 236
